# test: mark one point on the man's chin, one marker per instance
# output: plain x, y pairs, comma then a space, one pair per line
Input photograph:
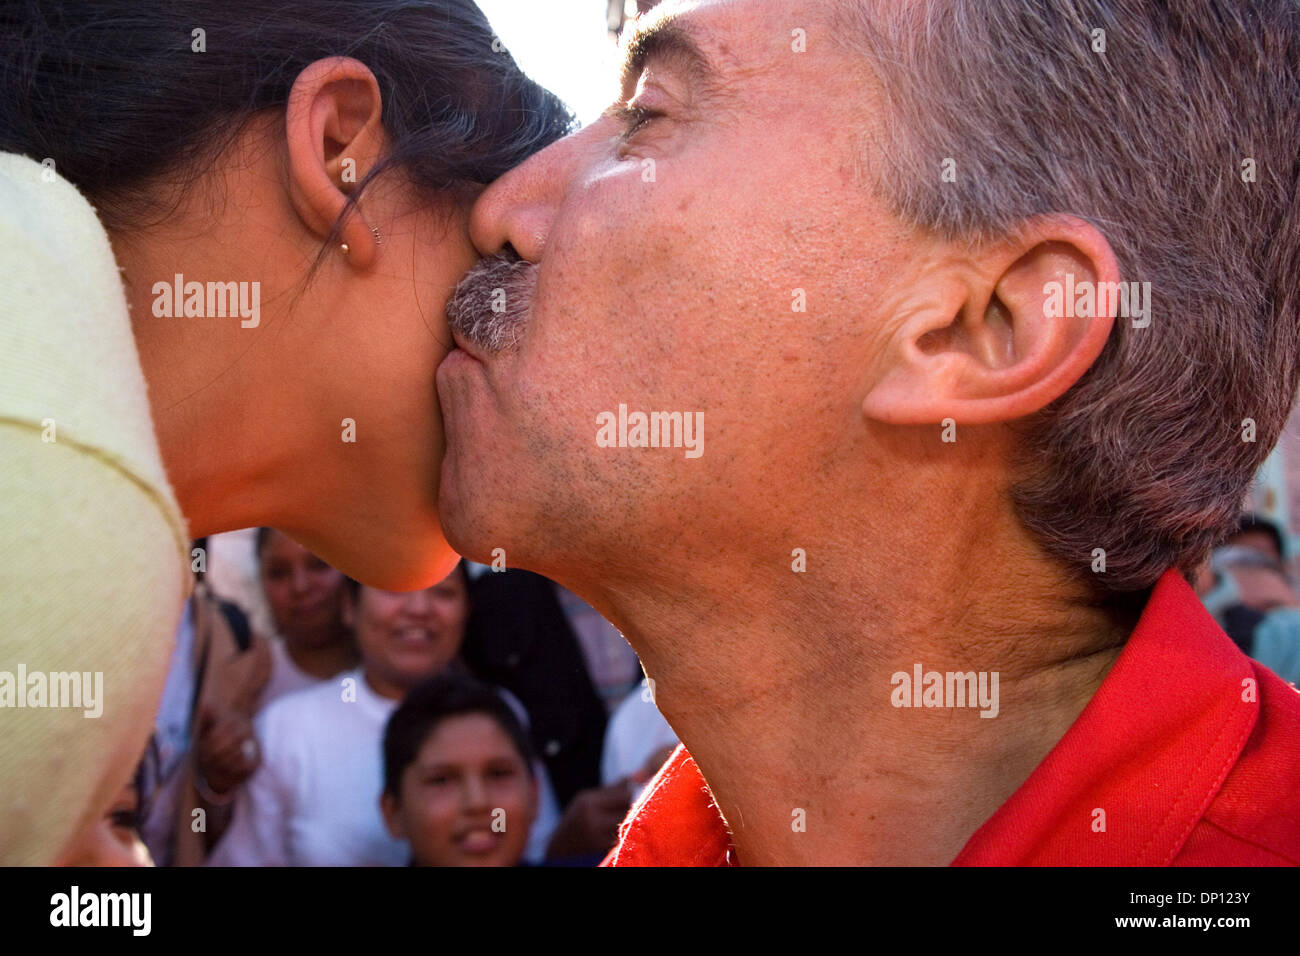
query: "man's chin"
465, 537
474, 528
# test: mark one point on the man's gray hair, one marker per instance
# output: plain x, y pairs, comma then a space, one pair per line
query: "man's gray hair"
1155, 141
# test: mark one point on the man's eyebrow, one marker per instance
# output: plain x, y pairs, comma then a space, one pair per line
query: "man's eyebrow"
667, 39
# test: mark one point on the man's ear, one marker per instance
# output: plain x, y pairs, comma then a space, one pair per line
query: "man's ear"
335, 132
392, 815
1000, 336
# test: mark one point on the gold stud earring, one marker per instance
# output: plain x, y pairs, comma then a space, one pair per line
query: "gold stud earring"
344, 248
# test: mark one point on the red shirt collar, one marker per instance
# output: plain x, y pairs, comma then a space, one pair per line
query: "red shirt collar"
1143, 760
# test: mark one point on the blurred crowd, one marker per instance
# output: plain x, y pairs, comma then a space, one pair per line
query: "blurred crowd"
1248, 588
493, 719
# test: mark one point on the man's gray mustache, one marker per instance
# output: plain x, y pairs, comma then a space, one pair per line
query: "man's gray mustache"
490, 305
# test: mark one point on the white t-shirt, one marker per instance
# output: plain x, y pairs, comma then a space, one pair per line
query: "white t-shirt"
286, 676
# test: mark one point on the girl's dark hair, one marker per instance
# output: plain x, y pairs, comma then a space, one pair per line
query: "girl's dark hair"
115, 92
430, 703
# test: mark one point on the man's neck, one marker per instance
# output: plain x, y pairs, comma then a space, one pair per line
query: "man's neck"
815, 749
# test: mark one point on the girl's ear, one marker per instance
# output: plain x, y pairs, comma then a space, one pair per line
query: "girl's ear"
335, 134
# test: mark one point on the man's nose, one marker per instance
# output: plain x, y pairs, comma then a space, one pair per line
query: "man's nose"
518, 208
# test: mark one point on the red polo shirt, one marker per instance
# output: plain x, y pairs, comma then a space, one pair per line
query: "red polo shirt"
1191, 749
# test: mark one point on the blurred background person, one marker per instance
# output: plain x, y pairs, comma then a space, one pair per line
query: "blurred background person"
1246, 587
459, 783
305, 597
234, 574
638, 741
204, 746
114, 839
568, 666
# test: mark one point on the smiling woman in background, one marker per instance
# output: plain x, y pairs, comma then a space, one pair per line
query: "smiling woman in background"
227, 233
305, 595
